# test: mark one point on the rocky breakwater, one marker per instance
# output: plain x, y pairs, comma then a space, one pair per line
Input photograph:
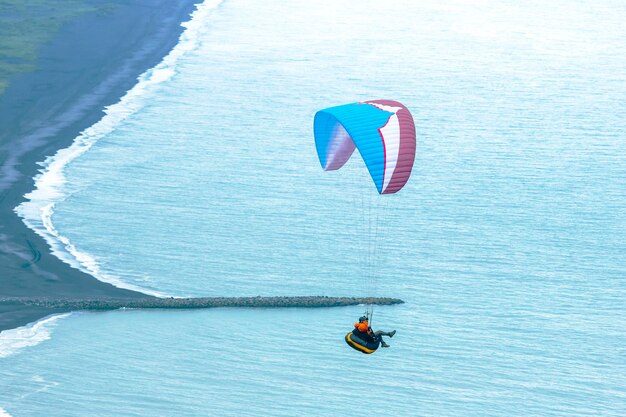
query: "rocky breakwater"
203, 302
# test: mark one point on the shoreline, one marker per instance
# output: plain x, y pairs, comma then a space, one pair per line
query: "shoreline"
92, 62
50, 185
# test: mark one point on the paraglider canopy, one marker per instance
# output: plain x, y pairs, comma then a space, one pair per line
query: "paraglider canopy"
382, 130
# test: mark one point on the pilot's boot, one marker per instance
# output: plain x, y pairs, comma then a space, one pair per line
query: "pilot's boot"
383, 344
392, 333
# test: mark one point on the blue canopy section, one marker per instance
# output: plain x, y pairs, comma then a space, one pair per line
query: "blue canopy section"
361, 121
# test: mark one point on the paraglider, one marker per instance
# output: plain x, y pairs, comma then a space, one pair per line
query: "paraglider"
383, 132
364, 339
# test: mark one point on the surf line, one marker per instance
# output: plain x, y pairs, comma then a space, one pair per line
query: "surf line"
51, 184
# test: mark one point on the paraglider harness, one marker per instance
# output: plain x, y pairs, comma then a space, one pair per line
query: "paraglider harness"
366, 342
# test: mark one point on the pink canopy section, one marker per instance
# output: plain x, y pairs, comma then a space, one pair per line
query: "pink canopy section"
398, 136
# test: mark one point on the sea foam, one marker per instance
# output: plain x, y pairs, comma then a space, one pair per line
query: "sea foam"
50, 184
13, 340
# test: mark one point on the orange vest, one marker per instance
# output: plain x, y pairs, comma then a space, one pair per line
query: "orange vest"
362, 327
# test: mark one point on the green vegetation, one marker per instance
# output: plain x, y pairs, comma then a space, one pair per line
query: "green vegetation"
26, 25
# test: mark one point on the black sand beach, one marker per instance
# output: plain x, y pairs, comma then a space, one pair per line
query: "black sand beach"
90, 63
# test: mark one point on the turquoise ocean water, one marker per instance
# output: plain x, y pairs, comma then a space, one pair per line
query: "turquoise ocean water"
507, 244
